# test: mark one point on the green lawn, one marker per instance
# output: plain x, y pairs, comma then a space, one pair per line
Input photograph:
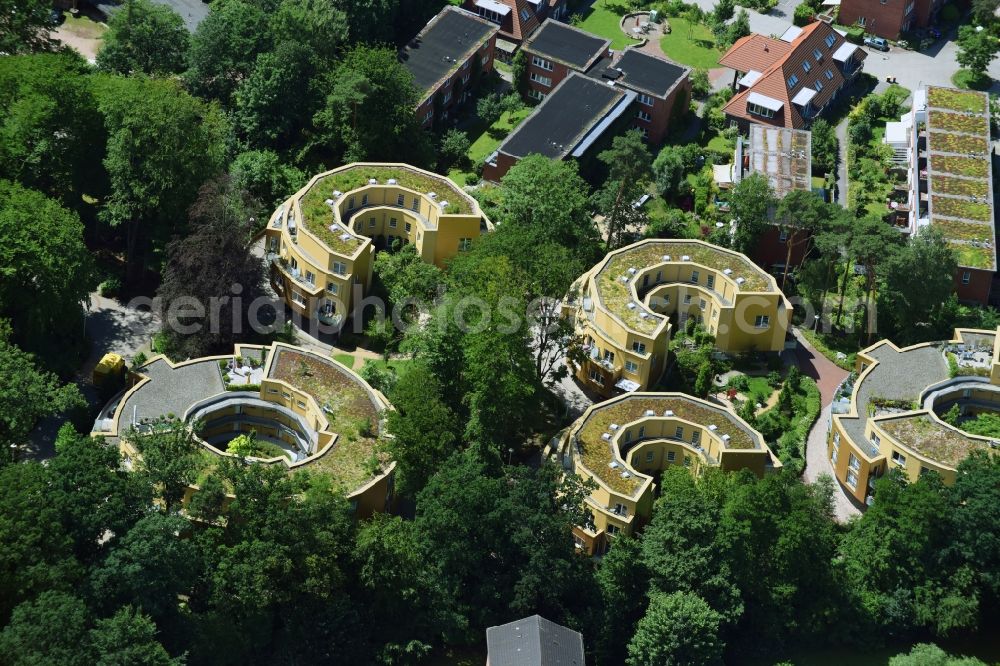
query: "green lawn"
84, 27
690, 44
344, 359
488, 141
719, 142
603, 18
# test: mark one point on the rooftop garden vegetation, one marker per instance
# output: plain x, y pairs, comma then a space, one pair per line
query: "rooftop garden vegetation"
973, 257
957, 122
931, 438
967, 231
963, 187
970, 210
944, 142
947, 98
963, 166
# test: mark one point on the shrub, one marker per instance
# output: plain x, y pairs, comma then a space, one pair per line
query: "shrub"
700, 85
110, 287
139, 360
472, 179
774, 379
803, 15
855, 34
243, 387
739, 383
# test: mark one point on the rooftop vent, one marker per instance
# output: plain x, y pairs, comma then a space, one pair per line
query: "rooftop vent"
606, 437
727, 271
740, 280
626, 475
633, 271
631, 305
329, 202
725, 438
650, 412
432, 195
443, 204
669, 412
372, 181
337, 194
613, 427
391, 181
685, 258
643, 315
345, 237
613, 464
666, 257
624, 278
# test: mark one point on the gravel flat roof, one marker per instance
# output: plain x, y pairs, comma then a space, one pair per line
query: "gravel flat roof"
444, 43
171, 390
648, 73
566, 44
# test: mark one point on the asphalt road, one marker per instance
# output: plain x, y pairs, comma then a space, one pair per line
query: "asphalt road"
192, 11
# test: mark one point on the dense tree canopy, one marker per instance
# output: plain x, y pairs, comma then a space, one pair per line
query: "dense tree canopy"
144, 38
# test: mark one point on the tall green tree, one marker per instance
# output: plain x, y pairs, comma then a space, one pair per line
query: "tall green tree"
622, 579
265, 176
976, 48
669, 169
162, 145
550, 195
372, 21
628, 164
320, 27
51, 629
751, 202
170, 459
224, 49
928, 654
144, 38
678, 628
407, 276
129, 637
872, 243
41, 145
919, 277
46, 271
25, 26
802, 215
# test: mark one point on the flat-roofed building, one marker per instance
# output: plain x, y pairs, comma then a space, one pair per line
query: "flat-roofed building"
517, 19
555, 50
454, 47
571, 122
944, 144
321, 242
627, 306
622, 444
899, 401
889, 18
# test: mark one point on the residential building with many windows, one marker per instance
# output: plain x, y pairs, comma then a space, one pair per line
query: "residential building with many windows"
628, 305
787, 81
900, 407
321, 242
446, 57
622, 444
944, 145
889, 18
555, 50
303, 409
517, 19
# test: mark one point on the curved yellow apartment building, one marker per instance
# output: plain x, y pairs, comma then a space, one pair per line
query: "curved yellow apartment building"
308, 411
624, 442
627, 306
894, 416
322, 240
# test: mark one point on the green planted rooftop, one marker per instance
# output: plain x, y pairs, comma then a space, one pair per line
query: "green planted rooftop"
956, 100
931, 438
615, 294
596, 453
350, 409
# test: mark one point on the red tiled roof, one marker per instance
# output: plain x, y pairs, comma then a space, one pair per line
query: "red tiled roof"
757, 52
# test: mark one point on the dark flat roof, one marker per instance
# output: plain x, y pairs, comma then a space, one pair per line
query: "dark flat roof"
444, 43
534, 641
566, 44
563, 118
648, 73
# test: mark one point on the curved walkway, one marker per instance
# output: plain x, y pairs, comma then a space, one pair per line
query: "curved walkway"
828, 376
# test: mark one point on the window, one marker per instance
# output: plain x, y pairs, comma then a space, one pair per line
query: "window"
875, 440
534, 94
416, 204
854, 463
762, 321
852, 479
806, 65
687, 300
639, 347
301, 404
695, 437
817, 54
364, 200
298, 298
295, 264
447, 97
272, 243
862, 21
464, 244
909, 8
371, 223
818, 85
687, 461
759, 110
409, 227
628, 436
966, 277
836, 440
609, 356
428, 116
793, 80
829, 75
596, 377
612, 529
830, 39
339, 268
645, 99
399, 200
642, 115
621, 510
701, 303
631, 367
541, 62
642, 432
671, 456
694, 277
525, 15
649, 456
679, 432
332, 288
350, 203
710, 282
543, 80
310, 277
834, 457
898, 458
392, 223
782, 236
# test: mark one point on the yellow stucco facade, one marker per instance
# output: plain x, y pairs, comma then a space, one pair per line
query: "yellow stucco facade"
627, 306
624, 443
897, 405
321, 242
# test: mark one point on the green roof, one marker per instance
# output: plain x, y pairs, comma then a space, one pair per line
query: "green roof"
931, 438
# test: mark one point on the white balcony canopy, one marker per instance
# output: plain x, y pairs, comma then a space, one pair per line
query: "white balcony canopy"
844, 52
790, 34
493, 6
803, 96
765, 101
627, 385
749, 78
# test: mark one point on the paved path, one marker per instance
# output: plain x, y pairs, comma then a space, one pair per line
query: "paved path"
828, 376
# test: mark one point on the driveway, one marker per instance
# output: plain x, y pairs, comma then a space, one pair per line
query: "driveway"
111, 327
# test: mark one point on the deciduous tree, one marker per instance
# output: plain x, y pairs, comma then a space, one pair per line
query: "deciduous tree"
144, 38
751, 201
678, 628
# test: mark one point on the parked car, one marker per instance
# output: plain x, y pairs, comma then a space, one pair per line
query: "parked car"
877, 43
